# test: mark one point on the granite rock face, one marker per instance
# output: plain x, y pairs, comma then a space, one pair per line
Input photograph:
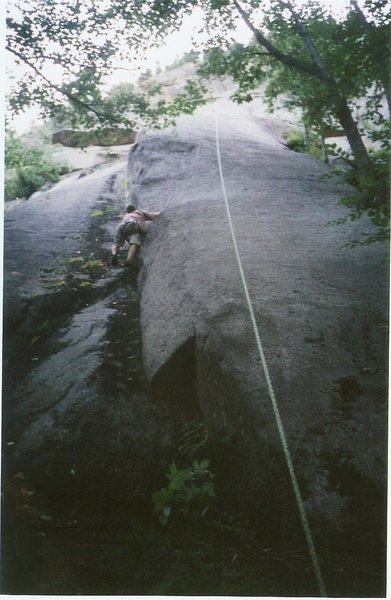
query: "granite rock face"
78, 416
320, 310
101, 371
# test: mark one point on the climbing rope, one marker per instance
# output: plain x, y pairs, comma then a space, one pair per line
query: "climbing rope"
265, 372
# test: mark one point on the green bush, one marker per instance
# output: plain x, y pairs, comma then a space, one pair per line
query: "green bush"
370, 197
189, 490
27, 167
295, 140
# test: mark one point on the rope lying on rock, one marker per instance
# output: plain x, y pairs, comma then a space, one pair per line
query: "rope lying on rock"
266, 373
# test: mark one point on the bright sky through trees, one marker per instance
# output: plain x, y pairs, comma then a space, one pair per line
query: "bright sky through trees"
176, 45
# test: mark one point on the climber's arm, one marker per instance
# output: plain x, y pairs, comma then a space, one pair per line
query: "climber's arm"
150, 216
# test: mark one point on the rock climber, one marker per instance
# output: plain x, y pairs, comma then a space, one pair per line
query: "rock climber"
131, 229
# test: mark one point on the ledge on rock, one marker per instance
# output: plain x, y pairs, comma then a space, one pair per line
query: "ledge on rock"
80, 139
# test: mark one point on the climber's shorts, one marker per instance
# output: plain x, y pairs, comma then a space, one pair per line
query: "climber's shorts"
129, 232
135, 238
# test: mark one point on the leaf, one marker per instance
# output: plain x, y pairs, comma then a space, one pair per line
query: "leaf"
75, 260
97, 212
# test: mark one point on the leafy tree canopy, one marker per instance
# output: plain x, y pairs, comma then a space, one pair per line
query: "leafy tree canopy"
67, 49
320, 63
28, 167
81, 43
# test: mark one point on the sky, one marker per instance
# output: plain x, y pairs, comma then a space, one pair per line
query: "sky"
176, 45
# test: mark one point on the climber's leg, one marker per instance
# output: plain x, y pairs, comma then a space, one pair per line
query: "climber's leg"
132, 253
114, 254
119, 240
134, 242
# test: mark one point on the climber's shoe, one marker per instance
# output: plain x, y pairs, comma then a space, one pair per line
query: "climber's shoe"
114, 260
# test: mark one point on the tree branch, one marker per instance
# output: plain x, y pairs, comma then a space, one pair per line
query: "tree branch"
363, 21
291, 61
71, 97
319, 70
383, 66
255, 53
65, 64
308, 41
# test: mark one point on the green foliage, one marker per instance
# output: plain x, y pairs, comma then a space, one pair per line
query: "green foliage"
188, 57
347, 47
129, 109
27, 167
76, 260
205, 549
83, 43
93, 264
189, 490
193, 96
342, 46
97, 212
245, 64
295, 140
370, 197
309, 59
352, 50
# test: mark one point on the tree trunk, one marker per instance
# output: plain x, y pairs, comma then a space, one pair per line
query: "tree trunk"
319, 70
324, 149
350, 128
306, 136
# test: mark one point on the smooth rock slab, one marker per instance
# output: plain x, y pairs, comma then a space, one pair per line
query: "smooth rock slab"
320, 308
